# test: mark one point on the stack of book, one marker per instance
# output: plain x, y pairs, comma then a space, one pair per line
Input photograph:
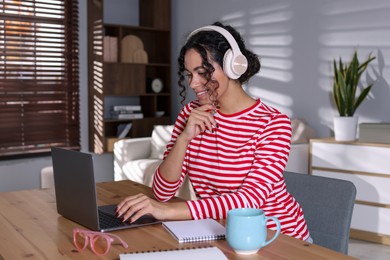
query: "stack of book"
127, 112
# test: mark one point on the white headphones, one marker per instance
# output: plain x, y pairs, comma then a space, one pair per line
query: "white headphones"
234, 62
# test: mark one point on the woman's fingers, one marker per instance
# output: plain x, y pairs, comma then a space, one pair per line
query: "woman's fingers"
127, 203
136, 209
203, 117
133, 207
125, 200
200, 120
142, 208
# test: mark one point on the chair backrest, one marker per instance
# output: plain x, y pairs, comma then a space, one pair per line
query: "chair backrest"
327, 204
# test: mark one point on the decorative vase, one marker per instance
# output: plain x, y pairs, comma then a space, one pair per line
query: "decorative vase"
345, 128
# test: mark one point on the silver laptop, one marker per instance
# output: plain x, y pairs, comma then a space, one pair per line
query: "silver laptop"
75, 191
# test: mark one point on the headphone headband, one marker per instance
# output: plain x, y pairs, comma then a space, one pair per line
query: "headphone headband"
232, 42
234, 62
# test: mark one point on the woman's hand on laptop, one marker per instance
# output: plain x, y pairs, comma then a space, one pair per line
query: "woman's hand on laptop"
134, 207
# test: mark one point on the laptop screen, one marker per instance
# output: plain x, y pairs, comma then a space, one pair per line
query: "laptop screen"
75, 186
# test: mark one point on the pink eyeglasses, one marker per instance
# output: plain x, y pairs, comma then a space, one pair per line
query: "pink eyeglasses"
100, 242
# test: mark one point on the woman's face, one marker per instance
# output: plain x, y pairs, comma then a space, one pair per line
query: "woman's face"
196, 77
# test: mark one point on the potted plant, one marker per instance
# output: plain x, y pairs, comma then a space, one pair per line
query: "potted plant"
345, 96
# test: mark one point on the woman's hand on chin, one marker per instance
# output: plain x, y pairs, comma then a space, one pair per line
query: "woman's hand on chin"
200, 120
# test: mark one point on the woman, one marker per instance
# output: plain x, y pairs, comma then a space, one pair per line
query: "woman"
232, 147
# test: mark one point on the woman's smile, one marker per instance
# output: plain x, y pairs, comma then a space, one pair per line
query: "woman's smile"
200, 94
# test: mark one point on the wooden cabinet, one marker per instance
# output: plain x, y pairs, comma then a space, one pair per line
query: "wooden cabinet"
114, 82
367, 165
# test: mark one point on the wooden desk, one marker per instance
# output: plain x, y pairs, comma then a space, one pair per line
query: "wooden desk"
31, 228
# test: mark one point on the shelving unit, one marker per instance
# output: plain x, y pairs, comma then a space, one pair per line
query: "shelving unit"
111, 80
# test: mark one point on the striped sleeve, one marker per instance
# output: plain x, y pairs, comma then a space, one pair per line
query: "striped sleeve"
162, 189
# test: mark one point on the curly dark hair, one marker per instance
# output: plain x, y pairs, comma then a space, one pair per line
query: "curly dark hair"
216, 44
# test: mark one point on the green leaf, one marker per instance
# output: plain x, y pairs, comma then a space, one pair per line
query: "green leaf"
343, 92
361, 97
346, 81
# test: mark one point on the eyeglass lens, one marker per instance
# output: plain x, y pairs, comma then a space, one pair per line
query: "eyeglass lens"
80, 240
99, 244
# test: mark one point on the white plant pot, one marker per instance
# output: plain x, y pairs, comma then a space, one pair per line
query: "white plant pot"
345, 128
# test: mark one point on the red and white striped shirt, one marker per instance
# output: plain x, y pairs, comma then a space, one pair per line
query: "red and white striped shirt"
238, 165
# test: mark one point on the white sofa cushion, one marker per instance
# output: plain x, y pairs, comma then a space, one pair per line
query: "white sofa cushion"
141, 171
160, 137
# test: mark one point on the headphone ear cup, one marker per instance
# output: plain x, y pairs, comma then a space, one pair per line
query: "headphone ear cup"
234, 66
228, 65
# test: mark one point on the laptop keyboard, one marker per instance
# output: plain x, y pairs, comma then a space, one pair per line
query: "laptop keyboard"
107, 220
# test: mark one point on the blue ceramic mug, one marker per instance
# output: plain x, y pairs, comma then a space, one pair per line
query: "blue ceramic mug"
246, 230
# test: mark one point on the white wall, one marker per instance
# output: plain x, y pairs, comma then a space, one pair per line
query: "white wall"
296, 41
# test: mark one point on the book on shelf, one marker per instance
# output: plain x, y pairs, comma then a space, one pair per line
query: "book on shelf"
126, 112
126, 108
195, 230
129, 116
114, 113
213, 253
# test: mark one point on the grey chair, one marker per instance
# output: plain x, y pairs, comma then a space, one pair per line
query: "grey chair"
327, 204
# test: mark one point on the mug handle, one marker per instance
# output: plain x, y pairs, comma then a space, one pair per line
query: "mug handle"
277, 230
